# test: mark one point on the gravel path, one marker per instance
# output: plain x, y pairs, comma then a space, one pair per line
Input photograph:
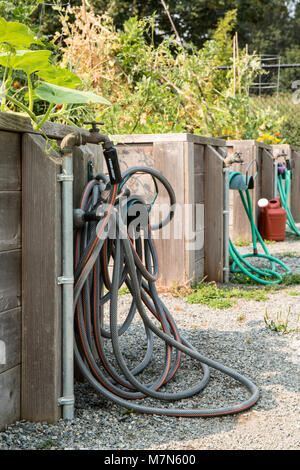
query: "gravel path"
236, 337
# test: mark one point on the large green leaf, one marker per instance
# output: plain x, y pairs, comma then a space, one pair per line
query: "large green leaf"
59, 76
29, 61
17, 34
61, 95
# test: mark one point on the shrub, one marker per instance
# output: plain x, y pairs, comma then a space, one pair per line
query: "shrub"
165, 88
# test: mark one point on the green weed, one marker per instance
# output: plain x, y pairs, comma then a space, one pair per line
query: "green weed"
269, 242
242, 242
279, 324
293, 292
48, 443
287, 280
126, 411
243, 279
123, 290
288, 254
212, 296
290, 280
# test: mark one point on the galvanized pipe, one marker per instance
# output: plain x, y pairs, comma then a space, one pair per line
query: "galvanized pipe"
226, 224
67, 281
67, 146
275, 178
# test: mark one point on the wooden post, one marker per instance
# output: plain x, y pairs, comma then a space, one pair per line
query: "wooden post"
41, 267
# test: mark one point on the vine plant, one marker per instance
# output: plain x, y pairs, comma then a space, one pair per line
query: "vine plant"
21, 50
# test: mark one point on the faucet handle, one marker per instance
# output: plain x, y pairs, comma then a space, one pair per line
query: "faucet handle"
94, 125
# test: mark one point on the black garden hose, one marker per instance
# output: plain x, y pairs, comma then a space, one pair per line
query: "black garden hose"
106, 242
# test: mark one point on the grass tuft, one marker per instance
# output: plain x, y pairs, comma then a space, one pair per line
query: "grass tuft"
210, 295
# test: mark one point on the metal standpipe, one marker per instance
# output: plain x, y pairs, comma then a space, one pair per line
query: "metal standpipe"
226, 224
67, 281
275, 178
67, 146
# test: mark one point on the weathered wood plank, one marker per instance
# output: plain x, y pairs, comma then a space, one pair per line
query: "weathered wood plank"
169, 160
135, 155
41, 303
266, 175
16, 123
10, 161
10, 339
189, 210
213, 217
10, 220
194, 210
82, 155
157, 138
241, 227
10, 396
249, 150
10, 280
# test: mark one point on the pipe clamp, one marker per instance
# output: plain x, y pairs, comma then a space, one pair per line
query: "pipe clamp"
65, 280
66, 401
63, 177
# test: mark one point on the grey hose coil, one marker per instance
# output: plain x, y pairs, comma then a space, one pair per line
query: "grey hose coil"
95, 248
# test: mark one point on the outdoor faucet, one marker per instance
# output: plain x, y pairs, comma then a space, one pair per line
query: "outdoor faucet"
95, 137
78, 138
235, 158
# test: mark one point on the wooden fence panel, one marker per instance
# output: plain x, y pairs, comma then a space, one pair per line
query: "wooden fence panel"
10, 387
83, 155
263, 185
239, 223
213, 218
10, 220
180, 158
169, 160
10, 161
10, 276
10, 337
267, 174
198, 176
10, 280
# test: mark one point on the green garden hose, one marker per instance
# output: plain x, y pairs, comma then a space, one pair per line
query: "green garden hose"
284, 186
240, 264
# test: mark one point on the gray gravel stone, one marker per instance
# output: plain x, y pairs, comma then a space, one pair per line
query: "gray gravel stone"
238, 338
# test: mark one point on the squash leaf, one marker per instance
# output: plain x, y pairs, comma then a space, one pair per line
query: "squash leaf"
61, 95
17, 34
29, 61
59, 76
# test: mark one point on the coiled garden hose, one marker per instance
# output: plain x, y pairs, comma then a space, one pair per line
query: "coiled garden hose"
241, 265
103, 262
284, 186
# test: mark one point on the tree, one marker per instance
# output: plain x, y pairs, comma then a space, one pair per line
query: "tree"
196, 21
